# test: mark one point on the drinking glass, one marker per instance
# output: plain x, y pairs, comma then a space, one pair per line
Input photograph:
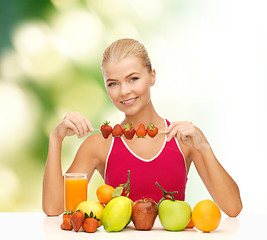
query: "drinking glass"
75, 190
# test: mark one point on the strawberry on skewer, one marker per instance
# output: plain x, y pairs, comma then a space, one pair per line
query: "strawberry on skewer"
141, 131
105, 129
117, 131
151, 130
128, 131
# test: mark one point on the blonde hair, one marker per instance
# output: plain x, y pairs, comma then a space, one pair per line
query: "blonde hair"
126, 47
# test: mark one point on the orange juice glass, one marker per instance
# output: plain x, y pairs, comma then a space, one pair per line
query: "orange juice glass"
75, 190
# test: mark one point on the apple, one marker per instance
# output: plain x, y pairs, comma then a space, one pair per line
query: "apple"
144, 213
174, 215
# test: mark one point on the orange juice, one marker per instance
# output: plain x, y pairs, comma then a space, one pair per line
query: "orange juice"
75, 190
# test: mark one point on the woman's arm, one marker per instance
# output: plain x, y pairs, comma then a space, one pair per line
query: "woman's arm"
53, 182
218, 182
53, 185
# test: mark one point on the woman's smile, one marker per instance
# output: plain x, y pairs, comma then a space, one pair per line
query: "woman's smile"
129, 102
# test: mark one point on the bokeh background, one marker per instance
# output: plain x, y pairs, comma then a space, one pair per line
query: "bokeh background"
210, 58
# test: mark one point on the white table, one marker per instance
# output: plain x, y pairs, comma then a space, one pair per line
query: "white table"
39, 226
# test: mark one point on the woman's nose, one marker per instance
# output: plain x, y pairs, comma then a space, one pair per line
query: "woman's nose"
125, 89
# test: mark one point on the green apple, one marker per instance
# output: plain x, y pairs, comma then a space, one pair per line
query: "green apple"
174, 215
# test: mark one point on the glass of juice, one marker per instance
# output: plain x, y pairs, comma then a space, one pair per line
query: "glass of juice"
75, 190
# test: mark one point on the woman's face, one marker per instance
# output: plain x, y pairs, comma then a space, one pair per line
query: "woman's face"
128, 84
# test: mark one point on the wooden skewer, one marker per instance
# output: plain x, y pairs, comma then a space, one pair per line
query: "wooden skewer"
160, 131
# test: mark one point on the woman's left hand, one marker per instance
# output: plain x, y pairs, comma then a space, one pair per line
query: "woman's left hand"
189, 134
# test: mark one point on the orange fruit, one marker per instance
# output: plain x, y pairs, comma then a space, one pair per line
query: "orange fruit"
104, 193
190, 224
206, 216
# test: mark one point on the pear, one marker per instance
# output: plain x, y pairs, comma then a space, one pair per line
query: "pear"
117, 214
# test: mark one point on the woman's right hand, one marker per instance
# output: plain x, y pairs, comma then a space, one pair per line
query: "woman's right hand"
73, 123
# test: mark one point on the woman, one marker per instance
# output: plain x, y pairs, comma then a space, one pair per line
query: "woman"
128, 77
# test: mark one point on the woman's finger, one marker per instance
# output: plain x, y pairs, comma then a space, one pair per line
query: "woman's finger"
188, 132
84, 127
70, 126
185, 135
77, 122
180, 129
89, 125
84, 122
174, 125
175, 131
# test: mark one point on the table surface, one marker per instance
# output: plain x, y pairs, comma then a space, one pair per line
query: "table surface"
18, 225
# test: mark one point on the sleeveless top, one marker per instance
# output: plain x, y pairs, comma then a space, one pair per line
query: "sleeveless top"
167, 168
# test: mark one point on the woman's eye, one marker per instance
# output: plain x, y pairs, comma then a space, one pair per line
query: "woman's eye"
112, 84
134, 79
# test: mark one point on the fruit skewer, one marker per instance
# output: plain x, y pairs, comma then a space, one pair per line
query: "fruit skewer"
160, 131
128, 131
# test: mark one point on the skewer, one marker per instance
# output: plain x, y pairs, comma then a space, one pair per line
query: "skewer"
160, 131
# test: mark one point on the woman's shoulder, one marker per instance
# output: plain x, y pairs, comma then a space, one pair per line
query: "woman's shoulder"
93, 153
97, 145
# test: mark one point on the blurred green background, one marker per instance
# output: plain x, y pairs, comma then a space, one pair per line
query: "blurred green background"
209, 57
50, 65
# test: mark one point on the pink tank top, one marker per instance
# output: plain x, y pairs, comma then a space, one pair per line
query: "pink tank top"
167, 168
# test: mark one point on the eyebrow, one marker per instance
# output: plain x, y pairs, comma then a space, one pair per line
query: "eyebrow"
110, 79
132, 74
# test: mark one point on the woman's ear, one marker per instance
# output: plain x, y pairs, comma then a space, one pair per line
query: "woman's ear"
153, 77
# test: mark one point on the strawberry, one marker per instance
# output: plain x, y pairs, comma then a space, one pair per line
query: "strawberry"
152, 131
106, 129
117, 131
128, 131
90, 224
66, 225
77, 220
141, 131
66, 214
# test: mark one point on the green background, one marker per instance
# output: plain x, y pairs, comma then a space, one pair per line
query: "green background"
210, 58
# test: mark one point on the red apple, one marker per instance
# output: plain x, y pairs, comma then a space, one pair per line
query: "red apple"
144, 213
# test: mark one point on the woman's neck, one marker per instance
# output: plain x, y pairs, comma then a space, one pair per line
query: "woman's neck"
146, 116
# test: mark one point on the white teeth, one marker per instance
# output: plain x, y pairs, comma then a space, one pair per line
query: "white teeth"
129, 101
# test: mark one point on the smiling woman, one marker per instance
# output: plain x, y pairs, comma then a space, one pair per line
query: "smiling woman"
166, 158
129, 60
131, 86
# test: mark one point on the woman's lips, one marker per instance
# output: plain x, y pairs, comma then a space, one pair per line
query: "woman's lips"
129, 101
